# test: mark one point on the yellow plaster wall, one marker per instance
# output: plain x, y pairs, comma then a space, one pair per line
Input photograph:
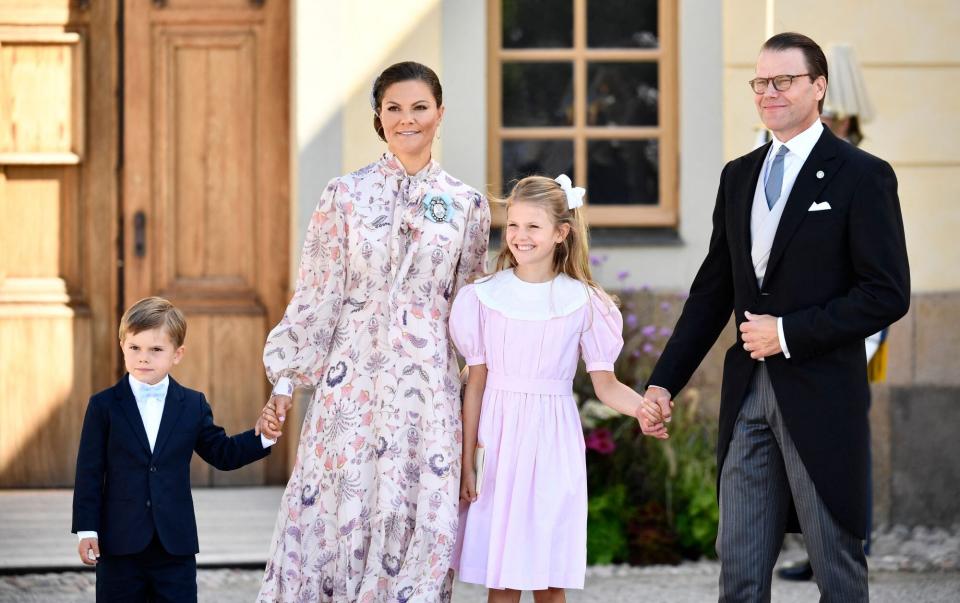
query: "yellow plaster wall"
911, 63
385, 32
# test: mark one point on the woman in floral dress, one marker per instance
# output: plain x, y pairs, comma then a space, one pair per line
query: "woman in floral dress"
370, 511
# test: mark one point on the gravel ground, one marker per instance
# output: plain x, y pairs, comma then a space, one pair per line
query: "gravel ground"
917, 565
688, 583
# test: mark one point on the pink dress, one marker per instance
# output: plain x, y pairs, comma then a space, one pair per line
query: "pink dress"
527, 529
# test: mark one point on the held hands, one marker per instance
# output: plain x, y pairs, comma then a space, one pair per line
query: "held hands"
273, 416
660, 397
89, 549
651, 419
760, 336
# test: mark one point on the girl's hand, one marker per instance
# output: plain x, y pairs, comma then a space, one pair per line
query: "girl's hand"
651, 420
89, 550
468, 484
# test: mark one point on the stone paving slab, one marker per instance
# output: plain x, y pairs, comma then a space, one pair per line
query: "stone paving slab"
918, 565
688, 583
235, 527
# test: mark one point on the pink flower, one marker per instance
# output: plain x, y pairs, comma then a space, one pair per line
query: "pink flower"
601, 440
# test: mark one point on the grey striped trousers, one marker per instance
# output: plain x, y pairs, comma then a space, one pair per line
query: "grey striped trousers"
761, 470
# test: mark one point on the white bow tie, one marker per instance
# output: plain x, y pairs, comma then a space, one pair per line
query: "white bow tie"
154, 391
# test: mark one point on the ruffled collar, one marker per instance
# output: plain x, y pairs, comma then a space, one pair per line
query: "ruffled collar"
391, 165
520, 300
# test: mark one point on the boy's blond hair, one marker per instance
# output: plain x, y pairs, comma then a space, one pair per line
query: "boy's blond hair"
152, 313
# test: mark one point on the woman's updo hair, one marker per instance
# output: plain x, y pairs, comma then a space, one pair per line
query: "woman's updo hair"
402, 72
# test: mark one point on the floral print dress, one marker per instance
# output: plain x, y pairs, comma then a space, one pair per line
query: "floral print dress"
370, 511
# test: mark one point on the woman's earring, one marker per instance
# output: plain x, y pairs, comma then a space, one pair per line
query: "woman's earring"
438, 132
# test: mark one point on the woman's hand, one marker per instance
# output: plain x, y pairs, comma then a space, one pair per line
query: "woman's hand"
272, 416
468, 483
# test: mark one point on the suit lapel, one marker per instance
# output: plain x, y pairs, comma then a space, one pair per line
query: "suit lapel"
753, 163
806, 189
172, 407
128, 404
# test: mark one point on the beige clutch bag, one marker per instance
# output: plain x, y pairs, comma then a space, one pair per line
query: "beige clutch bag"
478, 465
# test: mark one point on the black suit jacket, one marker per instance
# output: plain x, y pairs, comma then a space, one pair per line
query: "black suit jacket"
126, 493
836, 277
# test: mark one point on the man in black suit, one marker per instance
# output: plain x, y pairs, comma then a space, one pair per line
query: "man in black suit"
132, 507
808, 252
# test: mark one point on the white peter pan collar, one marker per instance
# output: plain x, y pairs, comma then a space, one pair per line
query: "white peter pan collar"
520, 300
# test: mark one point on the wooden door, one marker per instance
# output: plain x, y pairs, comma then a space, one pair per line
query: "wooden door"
205, 192
58, 229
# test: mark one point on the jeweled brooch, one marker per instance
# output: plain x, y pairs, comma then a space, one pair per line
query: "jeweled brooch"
438, 207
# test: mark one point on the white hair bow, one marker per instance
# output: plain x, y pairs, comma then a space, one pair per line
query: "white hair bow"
574, 193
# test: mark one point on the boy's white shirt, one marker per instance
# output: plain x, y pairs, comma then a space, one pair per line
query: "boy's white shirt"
151, 411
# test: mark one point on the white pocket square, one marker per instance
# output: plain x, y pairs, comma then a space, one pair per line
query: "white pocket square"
823, 206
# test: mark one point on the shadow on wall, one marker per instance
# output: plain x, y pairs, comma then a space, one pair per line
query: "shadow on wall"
41, 411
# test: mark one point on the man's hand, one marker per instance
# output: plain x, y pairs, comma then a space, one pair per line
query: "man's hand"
272, 416
651, 420
89, 549
661, 398
760, 337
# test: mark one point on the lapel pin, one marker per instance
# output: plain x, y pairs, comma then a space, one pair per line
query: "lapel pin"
819, 174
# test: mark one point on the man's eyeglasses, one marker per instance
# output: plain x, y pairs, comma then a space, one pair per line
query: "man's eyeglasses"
781, 83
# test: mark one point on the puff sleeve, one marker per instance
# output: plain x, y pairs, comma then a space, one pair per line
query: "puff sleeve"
466, 326
473, 257
297, 347
601, 339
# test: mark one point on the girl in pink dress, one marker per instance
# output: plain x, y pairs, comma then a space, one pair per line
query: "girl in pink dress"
523, 523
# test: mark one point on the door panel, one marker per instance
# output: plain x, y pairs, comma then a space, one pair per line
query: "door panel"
206, 175
58, 230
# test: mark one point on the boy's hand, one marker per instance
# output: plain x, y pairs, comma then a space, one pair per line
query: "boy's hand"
468, 484
272, 416
89, 549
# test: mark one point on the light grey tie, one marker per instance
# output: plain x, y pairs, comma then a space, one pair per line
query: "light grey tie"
775, 178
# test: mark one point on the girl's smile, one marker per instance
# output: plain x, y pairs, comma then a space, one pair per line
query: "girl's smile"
532, 238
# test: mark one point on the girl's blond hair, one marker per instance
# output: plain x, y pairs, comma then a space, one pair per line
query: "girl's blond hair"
570, 257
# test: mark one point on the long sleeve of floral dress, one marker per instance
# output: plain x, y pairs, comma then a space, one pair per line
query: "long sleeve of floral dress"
296, 347
473, 258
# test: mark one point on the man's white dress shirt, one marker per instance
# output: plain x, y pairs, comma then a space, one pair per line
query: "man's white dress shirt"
764, 220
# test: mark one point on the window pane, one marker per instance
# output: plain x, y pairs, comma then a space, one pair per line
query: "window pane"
623, 172
622, 24
537, 94
535, 157
622, 94
537, 23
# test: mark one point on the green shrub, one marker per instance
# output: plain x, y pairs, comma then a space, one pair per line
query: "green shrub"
650, 501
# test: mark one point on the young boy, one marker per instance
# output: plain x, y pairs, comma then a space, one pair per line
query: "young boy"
132, 507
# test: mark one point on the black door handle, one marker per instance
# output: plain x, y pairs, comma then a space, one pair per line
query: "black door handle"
140, 234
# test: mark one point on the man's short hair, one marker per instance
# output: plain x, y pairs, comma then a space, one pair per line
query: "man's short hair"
812, 53
153, 313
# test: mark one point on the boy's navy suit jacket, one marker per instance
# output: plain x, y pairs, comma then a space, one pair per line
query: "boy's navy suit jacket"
125, 492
